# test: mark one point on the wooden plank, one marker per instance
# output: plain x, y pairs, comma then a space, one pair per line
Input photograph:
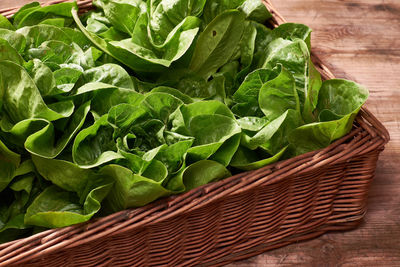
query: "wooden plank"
14, 3
360, 40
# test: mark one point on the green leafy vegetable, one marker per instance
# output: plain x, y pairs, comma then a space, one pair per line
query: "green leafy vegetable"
338, 105
138, 100
5, 24
9, 162
216, 43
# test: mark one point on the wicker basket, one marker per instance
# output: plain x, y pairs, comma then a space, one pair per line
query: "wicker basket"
233, 219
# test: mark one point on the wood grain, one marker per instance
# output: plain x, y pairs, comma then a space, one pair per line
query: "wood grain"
359, 40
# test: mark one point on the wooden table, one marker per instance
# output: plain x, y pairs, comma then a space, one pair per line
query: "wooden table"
360, 40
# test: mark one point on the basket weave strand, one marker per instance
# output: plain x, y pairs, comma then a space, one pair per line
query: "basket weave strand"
239, 217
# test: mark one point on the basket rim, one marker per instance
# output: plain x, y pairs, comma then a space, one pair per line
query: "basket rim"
368, 134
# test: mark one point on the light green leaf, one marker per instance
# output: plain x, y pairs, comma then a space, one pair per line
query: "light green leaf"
123, 116
22, 99
55, 207
16, 40
42, 76
210, 132
121, 14
278, 95
255, 10
174, 92
38, 34
104, 100
131, 190
247, 94
23, 11
44, 143
246, 159
64, 174
253, 124
217, 43
161, 105
6, 24
95, 145
339, 103
166, 17
9, 53
39, 14
293, 31
65, 79
111, 74
58, 22
198, 174
273, 137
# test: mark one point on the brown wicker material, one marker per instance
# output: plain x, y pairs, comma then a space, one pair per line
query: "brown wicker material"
233, 219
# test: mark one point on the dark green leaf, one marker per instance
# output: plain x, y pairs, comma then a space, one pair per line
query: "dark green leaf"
9, 162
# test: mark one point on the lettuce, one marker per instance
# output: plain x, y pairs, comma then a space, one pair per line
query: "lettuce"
138, 100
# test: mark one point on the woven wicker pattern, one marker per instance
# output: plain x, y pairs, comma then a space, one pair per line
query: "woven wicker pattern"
236, 218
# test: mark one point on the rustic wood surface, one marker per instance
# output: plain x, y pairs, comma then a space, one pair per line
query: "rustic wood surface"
359, 40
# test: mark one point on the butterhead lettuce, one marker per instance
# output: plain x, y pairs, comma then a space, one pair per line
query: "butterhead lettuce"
138, 100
